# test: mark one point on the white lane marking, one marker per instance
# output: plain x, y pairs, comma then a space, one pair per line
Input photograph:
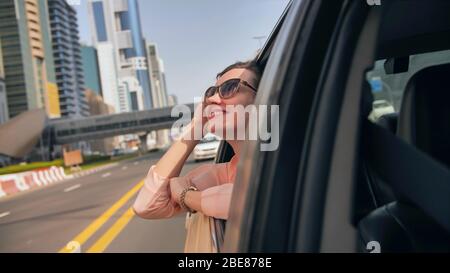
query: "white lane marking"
4, 214
124, 168
135, 163
69, 189
106, 175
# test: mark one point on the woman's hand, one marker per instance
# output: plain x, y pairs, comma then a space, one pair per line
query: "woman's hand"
199, 119
177, 185
172, 161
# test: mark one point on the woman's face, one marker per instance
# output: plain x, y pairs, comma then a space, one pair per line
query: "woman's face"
220, 119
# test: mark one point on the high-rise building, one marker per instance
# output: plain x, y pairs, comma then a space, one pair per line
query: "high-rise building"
173, 100
98, 107
130, 95
67, 58
108, 74
159, 90
157, 78
175, 133
2, 70
27, 55
91, 69
117, 23
4, 116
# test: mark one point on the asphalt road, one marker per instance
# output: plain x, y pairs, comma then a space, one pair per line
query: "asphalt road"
91, 214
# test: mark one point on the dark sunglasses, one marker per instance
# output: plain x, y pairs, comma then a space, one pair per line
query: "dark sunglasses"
227, 89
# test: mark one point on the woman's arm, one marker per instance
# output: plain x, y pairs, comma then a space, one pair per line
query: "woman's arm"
193, 200
154, 200
172, 161
214, 201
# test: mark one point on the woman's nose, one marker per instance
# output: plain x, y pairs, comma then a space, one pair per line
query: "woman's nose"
216, 99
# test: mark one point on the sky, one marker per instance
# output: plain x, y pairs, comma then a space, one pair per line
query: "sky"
196, 39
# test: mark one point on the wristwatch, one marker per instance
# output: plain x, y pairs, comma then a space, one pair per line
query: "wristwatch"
183, 196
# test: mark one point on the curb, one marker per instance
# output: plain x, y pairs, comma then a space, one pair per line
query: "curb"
94, 170
12, 184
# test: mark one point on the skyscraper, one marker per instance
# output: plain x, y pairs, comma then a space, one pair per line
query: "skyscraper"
117, 24
91, 69
130, 95
156, 73
4, 115
27, 55
108, 74
98, 107
173, 100
159, 91
67, 57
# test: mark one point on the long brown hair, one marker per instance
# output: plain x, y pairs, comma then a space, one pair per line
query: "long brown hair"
251, 65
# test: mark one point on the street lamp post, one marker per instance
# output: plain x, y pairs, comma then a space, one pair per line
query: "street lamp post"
260, 40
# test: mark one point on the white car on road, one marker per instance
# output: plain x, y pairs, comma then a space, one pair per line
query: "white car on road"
207, 148
380, 108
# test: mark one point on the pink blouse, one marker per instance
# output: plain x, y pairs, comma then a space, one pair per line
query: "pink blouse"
215, 181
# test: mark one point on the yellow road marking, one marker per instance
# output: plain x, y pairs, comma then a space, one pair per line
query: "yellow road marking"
112, 233
101, 220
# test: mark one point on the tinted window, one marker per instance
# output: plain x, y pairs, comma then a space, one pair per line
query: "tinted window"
99, 17
387, 89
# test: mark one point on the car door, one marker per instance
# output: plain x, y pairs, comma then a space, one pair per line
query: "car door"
300, 197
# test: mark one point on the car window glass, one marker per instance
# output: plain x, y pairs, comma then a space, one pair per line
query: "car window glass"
387, 89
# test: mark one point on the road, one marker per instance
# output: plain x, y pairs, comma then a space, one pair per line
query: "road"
92, 213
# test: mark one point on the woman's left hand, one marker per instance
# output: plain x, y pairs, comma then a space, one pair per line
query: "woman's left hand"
177, 185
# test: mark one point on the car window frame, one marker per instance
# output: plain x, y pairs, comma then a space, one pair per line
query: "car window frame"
338, 199
225, 151
250, 227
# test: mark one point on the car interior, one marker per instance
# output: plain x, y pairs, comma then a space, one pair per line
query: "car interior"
405, 156
401, 171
